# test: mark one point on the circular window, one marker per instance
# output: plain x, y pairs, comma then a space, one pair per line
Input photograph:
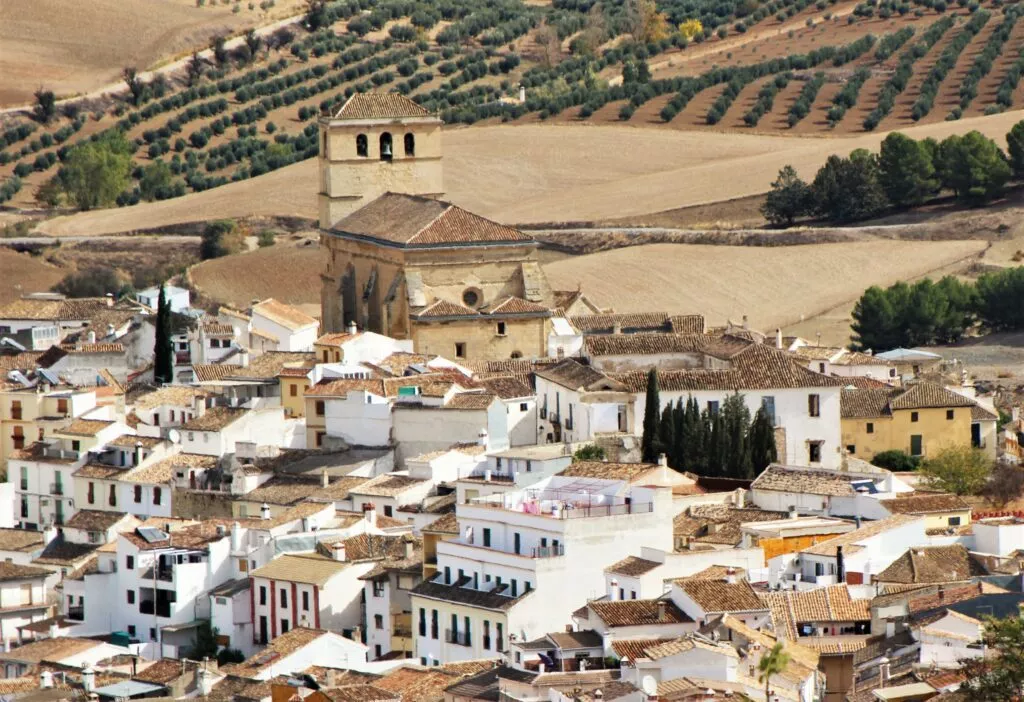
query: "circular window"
471, 297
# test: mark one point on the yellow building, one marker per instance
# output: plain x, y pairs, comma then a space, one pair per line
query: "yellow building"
294, 382
32, 414
919, 420
444, 528
940, 510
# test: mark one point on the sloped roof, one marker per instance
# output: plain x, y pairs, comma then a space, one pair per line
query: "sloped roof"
287, 316
924, 395
831, 603
376, 105
572, 374
642, 344
632, 566
813, 482
13, 571
881, 402
717, 596
512, 305
607, 470
413, 221
926, 503
619, 613
933, 564
849, 540
311, 569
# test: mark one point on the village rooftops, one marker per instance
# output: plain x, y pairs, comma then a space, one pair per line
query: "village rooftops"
429, 384
445, 524
837, 356
633, 323
170, 395
214, 419
85, 427
620, 613
831, 603
77, 309
795, 479
630, 472
310, 569
926, 503
632, 566
291, 318
94, 520
643, 344
497, 599
193, 537
282, 645
49, 650
20, 540
933, 564
377, 106
288, 490
12, 571
132, 441
849, 541
574, 375
387, 485
715, 596
881, 402
410, 221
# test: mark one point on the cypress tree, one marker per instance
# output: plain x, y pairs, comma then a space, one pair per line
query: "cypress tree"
763, 451
735, 440
667, 433
650, 443
694, 455
163, 350
679, 440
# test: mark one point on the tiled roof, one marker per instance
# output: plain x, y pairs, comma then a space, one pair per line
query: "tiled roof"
174, 395
933, 564
642, 344
52, 650
164, 671
377, 105
849, 540
980, 414
311, 569
13, 571
85, 427
387, 485
283, 645
93, 348
470, 401
162, 471
214, 419
268, 365
627, 322
409, 220
100, 471
688, 643
20, 540
508, 387
813, 482
881, 402
62, 552
446, 524
718, 572
926, 503
864, 403
467, 596
193, 536
717, 596
831, 603
444, 308
289, 317
132, 441
207, 372
287, 490
94, 520
607, 471
215, 328
618, 613
430, 384
512, 305
687, 323
360, 693
632, 566
924, 395
572, 374
632, 649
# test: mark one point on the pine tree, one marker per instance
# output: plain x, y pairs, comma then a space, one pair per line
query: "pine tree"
163, 350
650, 443
763, 451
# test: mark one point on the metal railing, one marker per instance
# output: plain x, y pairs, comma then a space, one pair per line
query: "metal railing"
76, 613
548, 551
56, 488
572, 512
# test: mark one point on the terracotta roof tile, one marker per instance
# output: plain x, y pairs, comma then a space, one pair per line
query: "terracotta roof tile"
831, 603
85, 427
387, 485
175, 395
94, 520
628, 323
574, 375
715, 596
13, 571
20, 540
470, 401
618, 613
633, 649
926, 503
814, 482
632, 566
214, 419
642, 344
289, 317
607, 471
311, 569
378, 105
508, 387
512, 305
282, 645
925, 395
933, 564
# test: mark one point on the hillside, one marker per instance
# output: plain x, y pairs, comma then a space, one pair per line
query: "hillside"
22, 273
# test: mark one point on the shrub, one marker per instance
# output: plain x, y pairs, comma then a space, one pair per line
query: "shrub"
221, 238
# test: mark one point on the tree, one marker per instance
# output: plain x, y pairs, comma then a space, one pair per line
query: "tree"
205, 641
253, 41
847, 189
645, 23
772, 663
96, 172
194, 69
546, 38
973, 167
650, 445
316, 15
91, 282
1000, 299
1015, 147
896, 460
50, 193
763, 451
906, 172
789, 198
667, 433
736, 461
156, 179
163, 348
589, 452
999, 675
694, 458
875, 322
594, 32
220, 50
220, 238
45, 107
135, 85
1005, 485
961, 470
691, 29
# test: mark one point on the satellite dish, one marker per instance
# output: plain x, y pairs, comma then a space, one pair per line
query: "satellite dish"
649, 686
174, 436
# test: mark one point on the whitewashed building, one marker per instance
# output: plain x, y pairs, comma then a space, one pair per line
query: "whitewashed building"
288, 328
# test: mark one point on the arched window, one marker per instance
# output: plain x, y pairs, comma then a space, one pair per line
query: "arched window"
410, 145
362, 146
516, 354
386, 148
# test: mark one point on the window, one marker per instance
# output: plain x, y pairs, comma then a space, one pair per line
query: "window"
871, 427
129, 562
112, 498
24, 508
487, 537
410, 145
470, 297
950, 414
768, 405
954, 521
423, 622
305, 601
377, 650
523, 406
851, 449
131, 630
293, 390
378, 621
501, 329
468, 631
362, 146
24, 478
712, 406
319, 408
433, 623
914, 416
814, 451
16, 409
320, 437
388, 511
916, 448
622, 593
814, 405
76, 445
62, 406
284, 626
156, 495
516, 542
487, 635
386, 148
378, 588
138, 494
821, 367
263, 594
131, 597
515, 588
243, 565
152, 633
460, 349
447, 575
284, 597
499, 644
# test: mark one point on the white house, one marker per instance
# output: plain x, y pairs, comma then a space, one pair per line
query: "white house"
464, 418
650, 574
520, 402
797, 489
302, 648
353, 347
577, 403
177, 298
948, 637
217, 430
844, 363
999, 536
512, 469
67, 651
292, 329
23, 598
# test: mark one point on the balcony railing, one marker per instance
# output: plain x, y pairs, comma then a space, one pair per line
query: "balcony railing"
460, 638
606, 510
554, 418
56, 488
548, 551
76, 613
165, 574
183, 358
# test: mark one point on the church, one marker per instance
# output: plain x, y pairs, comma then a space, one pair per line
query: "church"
403, 262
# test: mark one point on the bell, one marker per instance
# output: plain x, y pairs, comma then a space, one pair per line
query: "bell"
386, 150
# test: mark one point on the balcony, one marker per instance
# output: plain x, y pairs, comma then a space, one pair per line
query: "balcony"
77, 613
548, 551
53, 452
16, 413
459, 638
56, 488
164, 574
161, 609
554, 418
183, 358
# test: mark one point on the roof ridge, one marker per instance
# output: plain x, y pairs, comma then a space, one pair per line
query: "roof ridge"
444, 211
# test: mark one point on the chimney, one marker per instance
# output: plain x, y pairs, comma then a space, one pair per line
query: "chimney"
88, 678
568, 628
236, 537
370, 514
340, 552
138, 453
541, 668
487, 475
243, 357
352, 328
613, 589
91, 336
739, 499
730, 575
357, 634
793, 514
204, 678
409, 544
746, 322
54, 631
778, 338
883, 671
265, 511
617, 328
221, 530
110, 330
481, 437
662, 606
662, 460
45, 680
324, 480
